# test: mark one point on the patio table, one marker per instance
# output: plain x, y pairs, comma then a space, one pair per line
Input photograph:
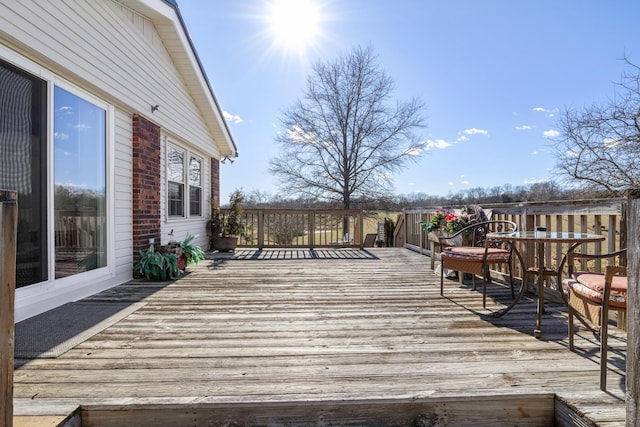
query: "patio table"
541, 238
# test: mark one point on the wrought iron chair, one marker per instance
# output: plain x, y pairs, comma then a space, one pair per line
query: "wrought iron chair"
477, 254
590, 297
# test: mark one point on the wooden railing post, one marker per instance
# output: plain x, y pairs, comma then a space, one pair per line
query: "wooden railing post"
527, 223
360, 229
260, 229
8, 226
633, 308
312, 229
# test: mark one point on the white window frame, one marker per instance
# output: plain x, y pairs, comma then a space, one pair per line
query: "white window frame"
200, 160
109, 177
186, 194
182, 182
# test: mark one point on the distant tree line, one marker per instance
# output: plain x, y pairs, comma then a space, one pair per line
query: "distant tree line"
507, 193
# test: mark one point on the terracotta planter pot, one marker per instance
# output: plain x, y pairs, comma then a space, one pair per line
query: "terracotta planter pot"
182, 263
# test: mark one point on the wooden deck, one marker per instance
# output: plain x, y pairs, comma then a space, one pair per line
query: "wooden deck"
323, 338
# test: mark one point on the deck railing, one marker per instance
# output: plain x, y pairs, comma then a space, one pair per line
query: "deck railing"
606, 216
77, 230
301, 228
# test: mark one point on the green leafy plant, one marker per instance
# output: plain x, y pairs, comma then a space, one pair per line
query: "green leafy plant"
156, 266
447, 221
227, 222
192, 253
389, 229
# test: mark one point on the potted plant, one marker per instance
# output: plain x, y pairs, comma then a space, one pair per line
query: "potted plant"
226, 226
444, 223
190, 253
157, 266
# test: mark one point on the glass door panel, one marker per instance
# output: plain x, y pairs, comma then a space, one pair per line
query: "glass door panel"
80, 184
23, 151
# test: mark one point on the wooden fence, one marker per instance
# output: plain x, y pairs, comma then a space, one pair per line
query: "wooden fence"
607, 216
301, 228
77, 230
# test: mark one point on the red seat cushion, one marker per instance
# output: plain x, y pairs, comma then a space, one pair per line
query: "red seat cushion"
476, 254
591, 286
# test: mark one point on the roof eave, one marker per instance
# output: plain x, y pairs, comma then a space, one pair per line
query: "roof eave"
168, 21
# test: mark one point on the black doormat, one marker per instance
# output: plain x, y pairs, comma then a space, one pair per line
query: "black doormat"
50, 334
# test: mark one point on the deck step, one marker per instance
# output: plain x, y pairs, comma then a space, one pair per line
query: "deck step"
72, 420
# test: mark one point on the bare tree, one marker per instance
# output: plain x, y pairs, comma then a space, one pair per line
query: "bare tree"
600, 145
546, 190
346, 137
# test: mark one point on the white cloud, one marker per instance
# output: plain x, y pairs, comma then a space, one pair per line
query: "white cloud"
296, 134
550, 112
65, 110
232, 118
551, 133
72, 185
474, 131
611, 142
534, 153
464, 182
438, 143
535, 180
450, 183
524, 127
431, 144
387, 176
61, 136
415, 151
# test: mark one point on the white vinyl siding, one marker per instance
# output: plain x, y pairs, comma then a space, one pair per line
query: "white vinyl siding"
123, 202
98, 44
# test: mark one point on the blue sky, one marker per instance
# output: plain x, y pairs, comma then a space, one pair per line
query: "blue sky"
493, 74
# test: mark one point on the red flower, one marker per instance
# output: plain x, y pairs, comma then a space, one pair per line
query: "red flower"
451, 217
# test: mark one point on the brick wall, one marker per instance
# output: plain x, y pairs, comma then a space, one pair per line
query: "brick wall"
146, 184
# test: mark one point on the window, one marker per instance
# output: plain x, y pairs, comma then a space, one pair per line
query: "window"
80, 209
184, 183
175, 178
195, 186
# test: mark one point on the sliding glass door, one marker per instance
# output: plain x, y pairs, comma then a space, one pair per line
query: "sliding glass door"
79, 184
69, 236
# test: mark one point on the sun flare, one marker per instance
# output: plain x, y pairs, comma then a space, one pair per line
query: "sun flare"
294, 24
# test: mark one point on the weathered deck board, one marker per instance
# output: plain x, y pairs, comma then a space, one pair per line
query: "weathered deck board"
333, 326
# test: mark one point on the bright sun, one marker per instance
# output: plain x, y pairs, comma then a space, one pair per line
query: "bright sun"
295, 24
